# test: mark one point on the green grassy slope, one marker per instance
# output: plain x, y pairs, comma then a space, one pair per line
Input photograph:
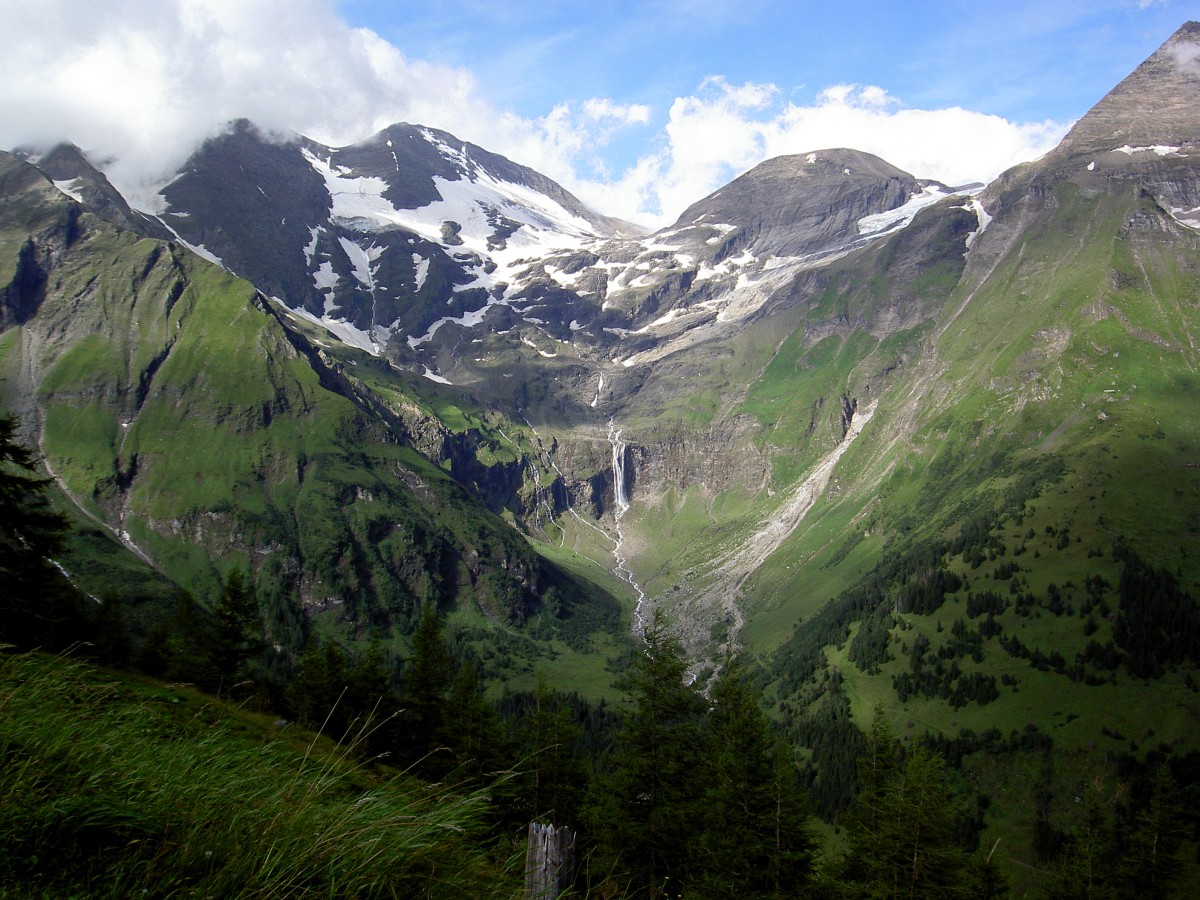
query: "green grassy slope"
116, 786
176, 406
1038, 458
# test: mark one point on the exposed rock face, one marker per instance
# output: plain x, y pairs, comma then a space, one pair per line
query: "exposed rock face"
413, 245
1156, 105
1144, 135
388, 236
717, 459
432, 252
251, 202
73, 174
216, 429
802, 205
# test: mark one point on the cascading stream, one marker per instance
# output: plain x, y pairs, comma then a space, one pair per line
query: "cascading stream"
541, 501
621, 499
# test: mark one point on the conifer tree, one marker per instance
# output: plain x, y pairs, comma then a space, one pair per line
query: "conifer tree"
901, 827
646, 809
369, 685
469, 729
1151, 861
755, 840
189, 646
38, 607
1101, 860
428, 674
236, 637
554, 770
110, 641
316, 690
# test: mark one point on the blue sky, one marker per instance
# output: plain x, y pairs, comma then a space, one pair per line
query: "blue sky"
1023, 60
1026, 62
639, 107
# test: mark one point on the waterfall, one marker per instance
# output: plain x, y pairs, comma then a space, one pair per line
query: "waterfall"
621, 495
618, 467
620, 568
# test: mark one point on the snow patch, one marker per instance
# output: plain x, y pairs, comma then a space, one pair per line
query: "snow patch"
363, 259
566, 279
528, 343
1157, 150
982, 216
325, 279
199, 249
433, 376
310, 249
71, 188
901, 216
1187, 217
673, 315
342, 330
420, 270
467, 320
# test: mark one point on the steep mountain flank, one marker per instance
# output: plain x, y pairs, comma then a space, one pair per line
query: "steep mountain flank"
74, 175
173, 402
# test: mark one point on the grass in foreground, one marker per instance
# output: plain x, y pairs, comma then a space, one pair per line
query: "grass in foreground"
109, 791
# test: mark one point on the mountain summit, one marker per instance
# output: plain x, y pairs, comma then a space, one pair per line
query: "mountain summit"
1156, 106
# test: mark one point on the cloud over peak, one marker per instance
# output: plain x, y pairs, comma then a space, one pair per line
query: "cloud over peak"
140, 83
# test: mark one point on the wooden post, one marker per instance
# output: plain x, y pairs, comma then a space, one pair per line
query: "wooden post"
549, 861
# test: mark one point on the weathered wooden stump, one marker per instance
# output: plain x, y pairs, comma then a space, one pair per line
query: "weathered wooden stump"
549, 861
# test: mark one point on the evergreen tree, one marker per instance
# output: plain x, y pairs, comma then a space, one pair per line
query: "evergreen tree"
316, 692
189, 646
1151, 860
369, 688
236, 637
428, 674
755, 840
553, 765
901, 827
469, 729
344, 699
1084, 870
110, 641
1101, 860
645, 810
38, 607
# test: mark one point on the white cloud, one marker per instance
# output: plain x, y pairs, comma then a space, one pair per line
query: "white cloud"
1186, 55
725, 130
141, 82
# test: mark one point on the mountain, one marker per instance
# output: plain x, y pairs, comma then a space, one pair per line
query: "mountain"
392, 236
924, 446
173, 404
